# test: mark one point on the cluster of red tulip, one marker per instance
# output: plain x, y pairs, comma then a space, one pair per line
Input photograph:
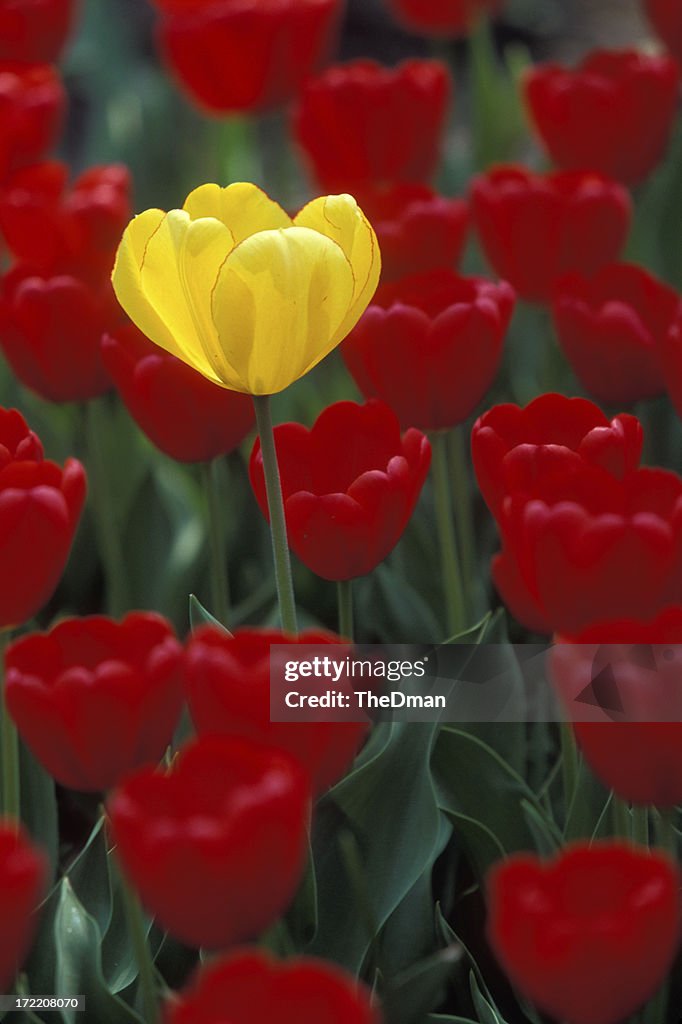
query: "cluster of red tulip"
210, 808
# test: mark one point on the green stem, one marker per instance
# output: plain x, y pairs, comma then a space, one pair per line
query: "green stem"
656, 1010
344, 590
11, 790
464, 520
452, 575
107, 527
220, 586
278, 526
622, 822
640, 825
569, 766
143, 958
237, 151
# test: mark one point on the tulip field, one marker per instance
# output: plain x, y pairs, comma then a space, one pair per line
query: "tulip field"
331, 327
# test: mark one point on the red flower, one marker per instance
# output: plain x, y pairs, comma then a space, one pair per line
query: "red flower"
586, 546
589, 936
350, 485
666, 17
513, 447
430, 346
58, 232
417, 229
588, 117
610, 327
216, 846
35, 30
51, 332
228, 691
32, 102
441, 17
95, 699
242, 55
251, 986
670, 353
185, 415
536, 227
634, 743
40, 505
363, 126
23, 874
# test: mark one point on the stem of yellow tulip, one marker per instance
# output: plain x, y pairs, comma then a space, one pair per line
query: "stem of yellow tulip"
344, 590
107, 527
9, 740
220, 586
278, 526
143, 957
452, 574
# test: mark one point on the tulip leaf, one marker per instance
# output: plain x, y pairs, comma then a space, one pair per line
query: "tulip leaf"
420, 987
302, 919
200, 616
39, 804
78, 967
485, 1008
375, 834
483, 794
89, 877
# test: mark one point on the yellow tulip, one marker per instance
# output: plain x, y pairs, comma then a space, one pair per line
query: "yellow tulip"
247, 296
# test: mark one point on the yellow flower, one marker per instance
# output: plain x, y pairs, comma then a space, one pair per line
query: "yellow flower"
241, 292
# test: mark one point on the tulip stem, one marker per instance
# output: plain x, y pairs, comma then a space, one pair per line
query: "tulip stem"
452, 575
278, 526
656, 1010
107, 527
640, 825
11, 791
569, 768
344, 590
464, 522
622, 823
220, 584
138, 937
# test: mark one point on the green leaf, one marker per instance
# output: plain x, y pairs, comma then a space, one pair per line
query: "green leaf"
89, 877
484, 795
421, 986
78, 968
199, 616
485, 1007
374, 835
39, 804
302, 918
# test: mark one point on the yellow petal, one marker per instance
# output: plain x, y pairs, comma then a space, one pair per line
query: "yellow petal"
341, 219
278, 304
242, 207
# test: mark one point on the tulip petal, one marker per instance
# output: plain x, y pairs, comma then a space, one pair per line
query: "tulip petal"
242, 207
148, 285
278, 304
341, 219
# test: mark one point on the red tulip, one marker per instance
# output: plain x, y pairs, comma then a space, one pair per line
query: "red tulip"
513, 447
666, 17
610, 328
32, 102
536, 227
40, 505
589, 936
95, 699
364, 126
670, 354
58, 232
216, 846
430, 346
51, 332
244, 55
630, 733
350, 485
23, 875
228, 691
417, 229
250, 986
185, 415
578, 538
588, 117
442, 17
35, 30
